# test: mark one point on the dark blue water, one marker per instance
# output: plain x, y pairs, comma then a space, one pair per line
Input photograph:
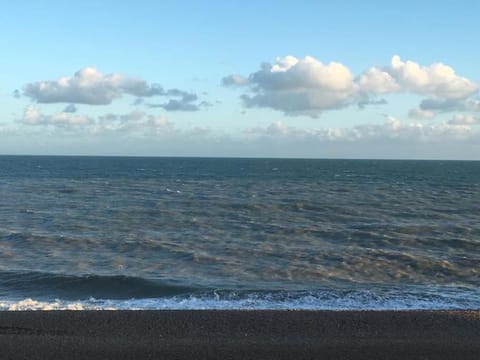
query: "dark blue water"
93, 232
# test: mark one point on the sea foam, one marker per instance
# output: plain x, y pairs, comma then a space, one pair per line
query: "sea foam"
352, 300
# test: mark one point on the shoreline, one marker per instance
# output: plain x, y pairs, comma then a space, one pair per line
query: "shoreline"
240, 334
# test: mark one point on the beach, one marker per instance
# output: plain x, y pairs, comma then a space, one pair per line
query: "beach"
242, 334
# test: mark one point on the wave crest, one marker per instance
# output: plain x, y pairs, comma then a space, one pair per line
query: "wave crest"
48, 285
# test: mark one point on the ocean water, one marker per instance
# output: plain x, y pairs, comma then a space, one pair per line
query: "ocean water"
193, 233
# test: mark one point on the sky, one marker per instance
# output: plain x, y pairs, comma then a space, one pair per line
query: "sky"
308, 79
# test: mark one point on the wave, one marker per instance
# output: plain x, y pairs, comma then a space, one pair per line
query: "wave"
51, 285
435, 298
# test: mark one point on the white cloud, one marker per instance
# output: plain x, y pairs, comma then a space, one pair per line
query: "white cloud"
309, 87
89, 86
377, 81
184, 101
391, 130
134, 122
421, 114
298, 87
437, 80
464, 120
158, 122
448, 105
68, 120
32, 116
369, 102
234, 79
472, 105
141, 133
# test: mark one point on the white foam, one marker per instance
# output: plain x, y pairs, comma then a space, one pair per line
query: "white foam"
30, 304
357, 300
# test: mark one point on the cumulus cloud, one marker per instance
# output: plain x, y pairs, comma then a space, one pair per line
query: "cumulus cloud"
464, 120
182, 101
178, 105
367, 102
299, 87
135, 121
437, 80
390, 130
471, 105
377, 81
446, 90
448, 105
421, 114
390, 138
309, 87
90, 86
33, 117
234, 79
158, 122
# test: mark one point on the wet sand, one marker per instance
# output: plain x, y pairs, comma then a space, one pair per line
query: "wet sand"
243, 334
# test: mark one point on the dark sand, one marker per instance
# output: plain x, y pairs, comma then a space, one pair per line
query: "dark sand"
402, 335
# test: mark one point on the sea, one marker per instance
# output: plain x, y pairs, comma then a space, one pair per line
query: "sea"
231, 233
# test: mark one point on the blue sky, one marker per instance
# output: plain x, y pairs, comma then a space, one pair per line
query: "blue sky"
239, 78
